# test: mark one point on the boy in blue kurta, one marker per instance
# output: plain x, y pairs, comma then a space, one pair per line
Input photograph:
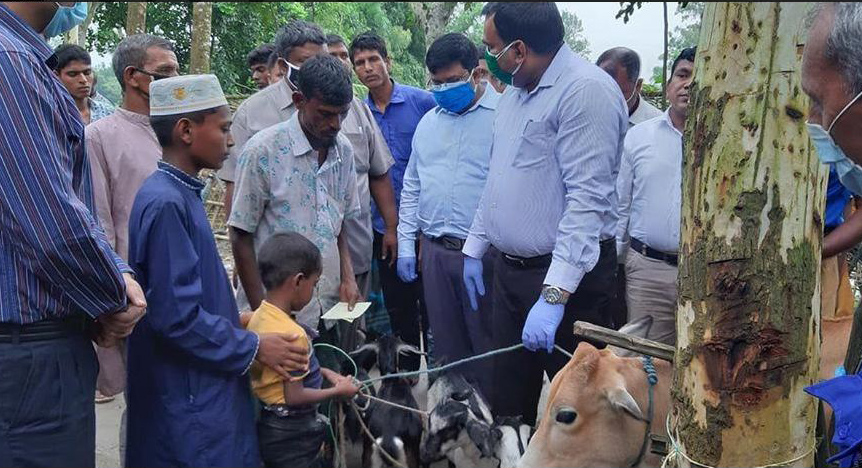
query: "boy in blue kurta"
188, 393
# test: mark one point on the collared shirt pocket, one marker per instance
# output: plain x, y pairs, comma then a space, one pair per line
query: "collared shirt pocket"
534, 149
359, 142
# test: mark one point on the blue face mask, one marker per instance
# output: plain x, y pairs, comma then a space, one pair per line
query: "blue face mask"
455, 97
829, 152
66, 18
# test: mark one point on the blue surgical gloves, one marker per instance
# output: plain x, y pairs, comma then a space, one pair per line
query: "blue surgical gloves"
542, 324
473, 280
406, 267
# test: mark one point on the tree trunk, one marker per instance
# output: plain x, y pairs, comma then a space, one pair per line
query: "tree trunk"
433, 17
202, 15
664, 61
749, 277
83, 28
136, 18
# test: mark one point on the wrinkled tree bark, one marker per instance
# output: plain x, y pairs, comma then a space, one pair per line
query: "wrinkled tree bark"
749, 278
433, 18
202, 14
136, 18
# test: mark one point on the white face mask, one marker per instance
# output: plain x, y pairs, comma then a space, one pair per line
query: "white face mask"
829, 152
291, 73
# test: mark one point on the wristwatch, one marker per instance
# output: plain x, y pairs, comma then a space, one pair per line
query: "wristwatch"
554, 295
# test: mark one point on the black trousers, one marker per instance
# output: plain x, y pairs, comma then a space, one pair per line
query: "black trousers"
404, 304
47, 413
292, 441
518, 375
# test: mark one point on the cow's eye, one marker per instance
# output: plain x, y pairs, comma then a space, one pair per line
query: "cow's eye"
566, 416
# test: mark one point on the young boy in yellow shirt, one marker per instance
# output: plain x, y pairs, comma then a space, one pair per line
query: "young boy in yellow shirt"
290, 432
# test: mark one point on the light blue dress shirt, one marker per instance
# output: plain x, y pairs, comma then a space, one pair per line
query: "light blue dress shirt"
446, 173
554, 162
650, 186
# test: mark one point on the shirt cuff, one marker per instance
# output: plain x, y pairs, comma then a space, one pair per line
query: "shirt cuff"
254, 356
564, 276
475, 247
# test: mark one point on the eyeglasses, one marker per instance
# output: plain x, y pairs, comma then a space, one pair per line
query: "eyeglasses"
431, 83
155, 76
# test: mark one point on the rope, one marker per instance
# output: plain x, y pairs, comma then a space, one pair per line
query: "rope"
371, 437
424, 414
676, 452
417, 373
343, 353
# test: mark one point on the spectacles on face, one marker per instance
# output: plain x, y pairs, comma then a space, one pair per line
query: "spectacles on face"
432, 83
154, 76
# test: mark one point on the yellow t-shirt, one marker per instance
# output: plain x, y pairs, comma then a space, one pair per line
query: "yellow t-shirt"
267, 385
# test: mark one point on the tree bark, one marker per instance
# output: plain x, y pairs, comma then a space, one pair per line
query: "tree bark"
664, 61
136, 18
202, 15
85, 26
433, 17
749, 277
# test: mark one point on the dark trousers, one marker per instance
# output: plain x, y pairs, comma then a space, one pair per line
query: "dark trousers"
619, 309
458, 330
292, 441
405, 306
47, 414
519, 374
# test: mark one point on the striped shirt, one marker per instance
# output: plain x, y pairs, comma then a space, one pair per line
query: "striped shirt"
553, 171
54, 258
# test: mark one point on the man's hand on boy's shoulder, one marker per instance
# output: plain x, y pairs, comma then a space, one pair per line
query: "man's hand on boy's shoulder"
283, 353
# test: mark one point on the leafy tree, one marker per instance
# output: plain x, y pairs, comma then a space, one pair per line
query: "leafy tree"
682, 36
575, 34
107, 84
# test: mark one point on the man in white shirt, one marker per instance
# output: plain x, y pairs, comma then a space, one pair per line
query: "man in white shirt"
649, 189
624, 65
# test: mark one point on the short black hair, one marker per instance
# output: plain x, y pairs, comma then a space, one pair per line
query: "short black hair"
686, 54
333, 39
368, 41
297, 33
451, 48
272, 61
68, 53
538, 24
325, 77
624, 57
260, 55
132, 52
163, 125
285, 255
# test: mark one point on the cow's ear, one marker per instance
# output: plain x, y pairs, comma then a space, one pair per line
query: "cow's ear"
622, 400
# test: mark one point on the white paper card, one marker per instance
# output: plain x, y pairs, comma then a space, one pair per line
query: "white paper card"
340, 312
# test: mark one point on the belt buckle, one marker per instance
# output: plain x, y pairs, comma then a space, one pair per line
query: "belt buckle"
519, 261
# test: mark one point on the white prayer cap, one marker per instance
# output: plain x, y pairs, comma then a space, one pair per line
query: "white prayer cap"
185, 94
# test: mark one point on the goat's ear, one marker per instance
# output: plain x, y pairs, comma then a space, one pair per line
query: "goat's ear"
407, 349
622, 400
366, 356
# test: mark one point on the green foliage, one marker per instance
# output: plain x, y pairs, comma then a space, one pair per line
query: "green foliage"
107, 85
575, 34
682, 36
467, 19
239, 27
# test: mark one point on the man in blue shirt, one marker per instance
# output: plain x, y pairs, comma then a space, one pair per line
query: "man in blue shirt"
442, 187
397, 109
60, 279
549, 200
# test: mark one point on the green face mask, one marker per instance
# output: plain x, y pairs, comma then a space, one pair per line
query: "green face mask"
495, 69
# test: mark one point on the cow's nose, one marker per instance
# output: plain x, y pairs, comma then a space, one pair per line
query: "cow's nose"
566, 416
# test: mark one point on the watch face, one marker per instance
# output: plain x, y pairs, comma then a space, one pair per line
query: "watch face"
553, 296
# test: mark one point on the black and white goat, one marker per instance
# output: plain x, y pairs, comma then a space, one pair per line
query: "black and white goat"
397, 431
461, 428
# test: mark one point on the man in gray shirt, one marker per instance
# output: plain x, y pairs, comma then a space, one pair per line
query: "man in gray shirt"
549, 205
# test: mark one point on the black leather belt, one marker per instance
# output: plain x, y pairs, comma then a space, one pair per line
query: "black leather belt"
448, 242
543, 261
43, 331
647, 251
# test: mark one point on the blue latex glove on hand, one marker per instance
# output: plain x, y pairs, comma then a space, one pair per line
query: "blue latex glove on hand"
407, 269
473, 280
541, 326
